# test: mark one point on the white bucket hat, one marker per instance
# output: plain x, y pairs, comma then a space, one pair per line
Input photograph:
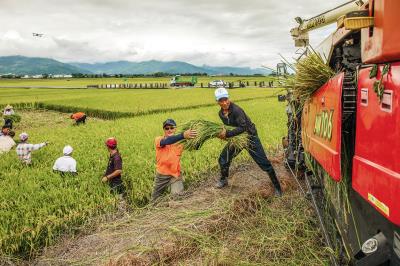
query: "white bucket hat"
67, 150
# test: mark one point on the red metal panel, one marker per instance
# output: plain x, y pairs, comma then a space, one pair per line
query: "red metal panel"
376, 164
325, 149
381, 43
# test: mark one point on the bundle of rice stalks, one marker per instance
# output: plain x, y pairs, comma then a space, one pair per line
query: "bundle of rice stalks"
15, 118
311, 74
207, 130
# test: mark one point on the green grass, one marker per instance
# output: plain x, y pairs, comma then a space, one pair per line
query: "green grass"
38, 205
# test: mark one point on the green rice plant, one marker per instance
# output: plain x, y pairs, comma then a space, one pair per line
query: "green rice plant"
83, 82
137, 102
207, 130
37, 206
15, 118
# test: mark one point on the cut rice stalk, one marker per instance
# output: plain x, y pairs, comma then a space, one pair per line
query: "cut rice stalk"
207, 130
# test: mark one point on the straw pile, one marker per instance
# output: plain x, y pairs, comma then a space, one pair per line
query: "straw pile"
207, 130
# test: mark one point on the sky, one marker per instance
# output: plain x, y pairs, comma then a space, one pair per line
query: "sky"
211, 32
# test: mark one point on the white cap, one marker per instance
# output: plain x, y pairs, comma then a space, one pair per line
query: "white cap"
23, 136
67, 150
221, 93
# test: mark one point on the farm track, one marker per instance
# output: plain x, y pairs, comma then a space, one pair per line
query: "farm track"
165, 233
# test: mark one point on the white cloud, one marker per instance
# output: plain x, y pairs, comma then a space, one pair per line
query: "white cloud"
224, 32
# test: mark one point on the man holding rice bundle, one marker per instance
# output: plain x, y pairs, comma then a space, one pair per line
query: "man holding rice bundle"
232, 115
168, 156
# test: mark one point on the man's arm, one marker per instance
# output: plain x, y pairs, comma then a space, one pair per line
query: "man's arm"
35, 147
188, 134
114, 174
117, 171
171, 140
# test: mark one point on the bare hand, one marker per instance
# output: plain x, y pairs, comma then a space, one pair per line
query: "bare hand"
104, 179
190, 134
222, 134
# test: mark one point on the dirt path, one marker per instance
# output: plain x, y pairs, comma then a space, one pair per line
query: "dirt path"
184, 230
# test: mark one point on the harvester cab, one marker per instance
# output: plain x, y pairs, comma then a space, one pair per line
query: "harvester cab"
350, 130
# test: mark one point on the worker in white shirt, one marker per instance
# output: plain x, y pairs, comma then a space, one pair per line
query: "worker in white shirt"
66, 164
7, 142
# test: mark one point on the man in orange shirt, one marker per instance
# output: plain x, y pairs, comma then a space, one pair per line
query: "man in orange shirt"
79, 118
168, 157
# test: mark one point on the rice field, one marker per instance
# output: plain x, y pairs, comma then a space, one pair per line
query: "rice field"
79, 82
109, 104
39, 205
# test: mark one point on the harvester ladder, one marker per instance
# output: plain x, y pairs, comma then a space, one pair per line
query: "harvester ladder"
349, 95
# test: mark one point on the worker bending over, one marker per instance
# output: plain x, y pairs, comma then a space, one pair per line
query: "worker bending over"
7, 142
8, 110
66, 164
232, 115
79, 118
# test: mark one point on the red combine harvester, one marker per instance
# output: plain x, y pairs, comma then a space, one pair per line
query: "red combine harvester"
350, 132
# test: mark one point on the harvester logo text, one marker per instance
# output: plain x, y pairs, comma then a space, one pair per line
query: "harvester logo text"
323, 124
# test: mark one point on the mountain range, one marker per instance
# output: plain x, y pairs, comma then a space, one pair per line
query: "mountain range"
21, 65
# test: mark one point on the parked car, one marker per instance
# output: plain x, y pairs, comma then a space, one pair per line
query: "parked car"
217, 83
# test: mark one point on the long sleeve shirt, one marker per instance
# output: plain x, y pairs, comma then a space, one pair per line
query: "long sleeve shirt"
171, 140
237, 118
24, 151
168, 155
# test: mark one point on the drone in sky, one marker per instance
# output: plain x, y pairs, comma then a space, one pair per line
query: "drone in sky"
34, 34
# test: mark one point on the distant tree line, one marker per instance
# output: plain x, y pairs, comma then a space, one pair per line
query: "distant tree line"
105, 75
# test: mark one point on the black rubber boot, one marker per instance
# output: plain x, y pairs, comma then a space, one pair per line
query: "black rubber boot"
223, 181
275, 182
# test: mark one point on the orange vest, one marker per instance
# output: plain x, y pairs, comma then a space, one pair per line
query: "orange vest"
168, 158
76, 116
